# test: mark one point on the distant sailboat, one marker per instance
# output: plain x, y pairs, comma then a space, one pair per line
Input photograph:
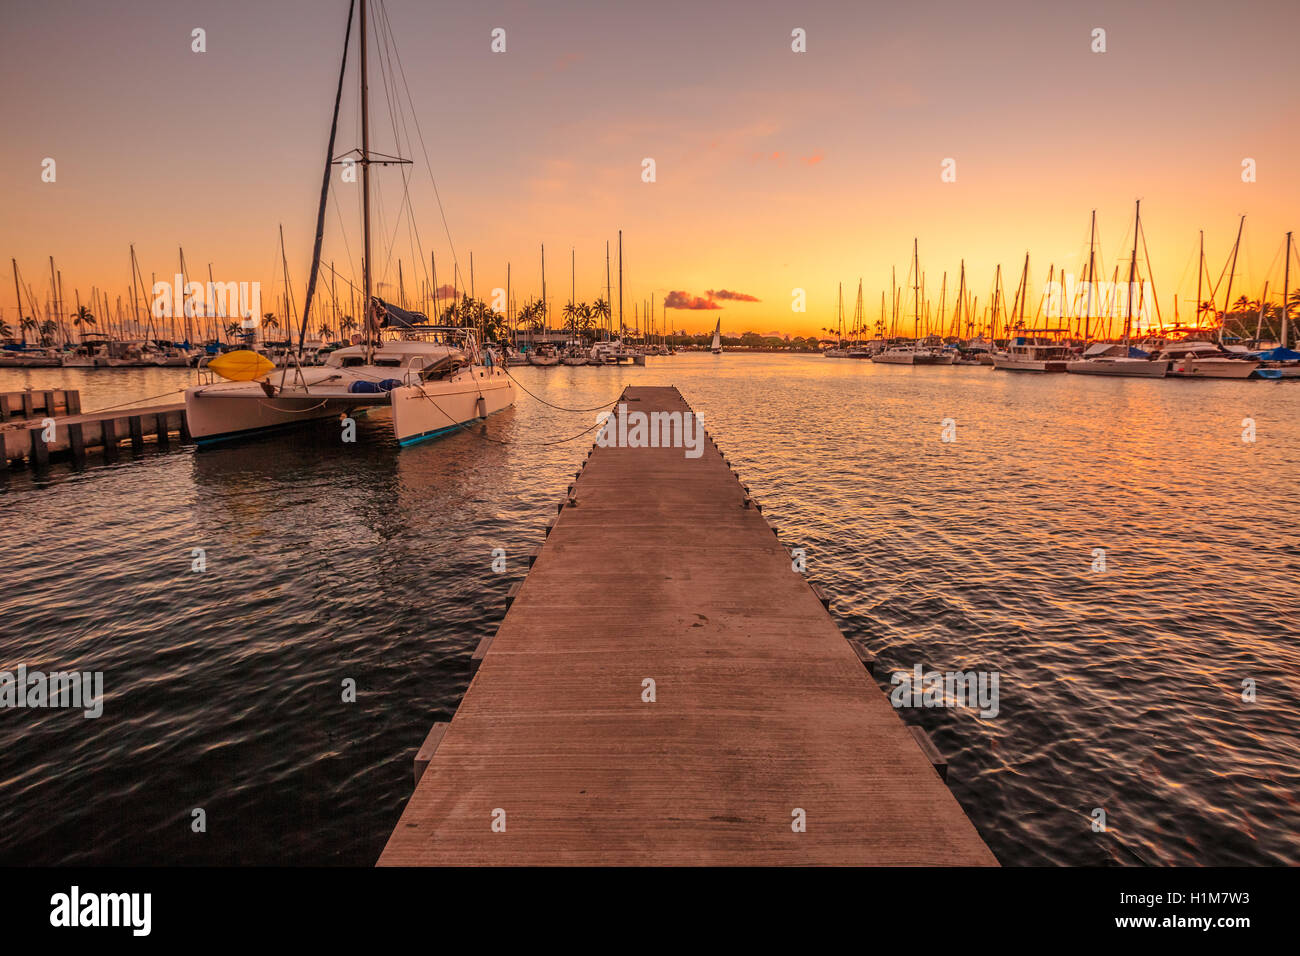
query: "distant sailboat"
717, 338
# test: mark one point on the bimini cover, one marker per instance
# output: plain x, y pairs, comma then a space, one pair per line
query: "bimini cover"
392, 317
1279, 355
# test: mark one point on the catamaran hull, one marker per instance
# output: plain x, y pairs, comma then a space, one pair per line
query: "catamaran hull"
213, 417
431, 409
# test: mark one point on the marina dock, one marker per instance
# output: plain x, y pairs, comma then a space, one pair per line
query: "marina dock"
31, 438
763, 738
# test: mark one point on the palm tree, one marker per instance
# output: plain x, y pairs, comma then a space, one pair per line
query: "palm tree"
48, 328
324, 331
5, 330
270, 321
600, 310
585, 322
82, 318
29, 324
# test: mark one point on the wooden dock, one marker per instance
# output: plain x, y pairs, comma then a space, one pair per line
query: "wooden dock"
33, 403
661, 567
37, 441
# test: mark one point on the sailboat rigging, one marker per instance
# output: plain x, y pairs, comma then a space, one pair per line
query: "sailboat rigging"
433, 378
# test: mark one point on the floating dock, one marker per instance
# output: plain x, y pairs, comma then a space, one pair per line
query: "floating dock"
767, 740
36, 439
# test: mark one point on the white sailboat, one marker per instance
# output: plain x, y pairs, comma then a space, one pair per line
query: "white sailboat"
717, 338
434, 379
1105, 358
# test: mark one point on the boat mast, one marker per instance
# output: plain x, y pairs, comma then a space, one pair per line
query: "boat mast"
1200, 271
545, 324
606, 321
1286, 287
961, 297
916, 291
1132, 273
366, 310
1227, 300
839, 316
1092, 275
620, 282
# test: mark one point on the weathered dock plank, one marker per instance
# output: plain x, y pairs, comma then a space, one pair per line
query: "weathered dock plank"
762, 709
103, 430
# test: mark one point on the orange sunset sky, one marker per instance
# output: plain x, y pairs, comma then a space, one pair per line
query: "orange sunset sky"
775, 170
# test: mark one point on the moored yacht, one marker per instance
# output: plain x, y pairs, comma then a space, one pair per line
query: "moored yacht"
1110, 358
901, 353
1206, 360
434, 378
544, 356
1029, 354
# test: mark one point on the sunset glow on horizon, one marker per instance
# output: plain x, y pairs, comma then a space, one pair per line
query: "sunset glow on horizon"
774, 170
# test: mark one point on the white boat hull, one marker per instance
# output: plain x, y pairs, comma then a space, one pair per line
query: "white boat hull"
430, 409
1129, 368
1008, 364
895, 358
1213, 368
221, 412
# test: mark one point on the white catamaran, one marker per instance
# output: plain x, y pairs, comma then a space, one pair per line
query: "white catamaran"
434, 379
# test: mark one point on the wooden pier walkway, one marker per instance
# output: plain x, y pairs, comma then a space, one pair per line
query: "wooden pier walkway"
658, 568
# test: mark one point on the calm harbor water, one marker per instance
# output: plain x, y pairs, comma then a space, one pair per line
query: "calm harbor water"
1120, 690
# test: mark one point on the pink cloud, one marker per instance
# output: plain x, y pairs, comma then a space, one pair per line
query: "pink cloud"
733, 296
684, 300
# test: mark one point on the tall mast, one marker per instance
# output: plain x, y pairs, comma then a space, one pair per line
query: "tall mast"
54, 292
606, 320
620, 282
1227, 301
1132, 274
943, 294
916, 290
1200, 270
1286, 287
546, 326
839, 316
135, 305
961, 301
997, 301
18, 291
1092, 274
365, 186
